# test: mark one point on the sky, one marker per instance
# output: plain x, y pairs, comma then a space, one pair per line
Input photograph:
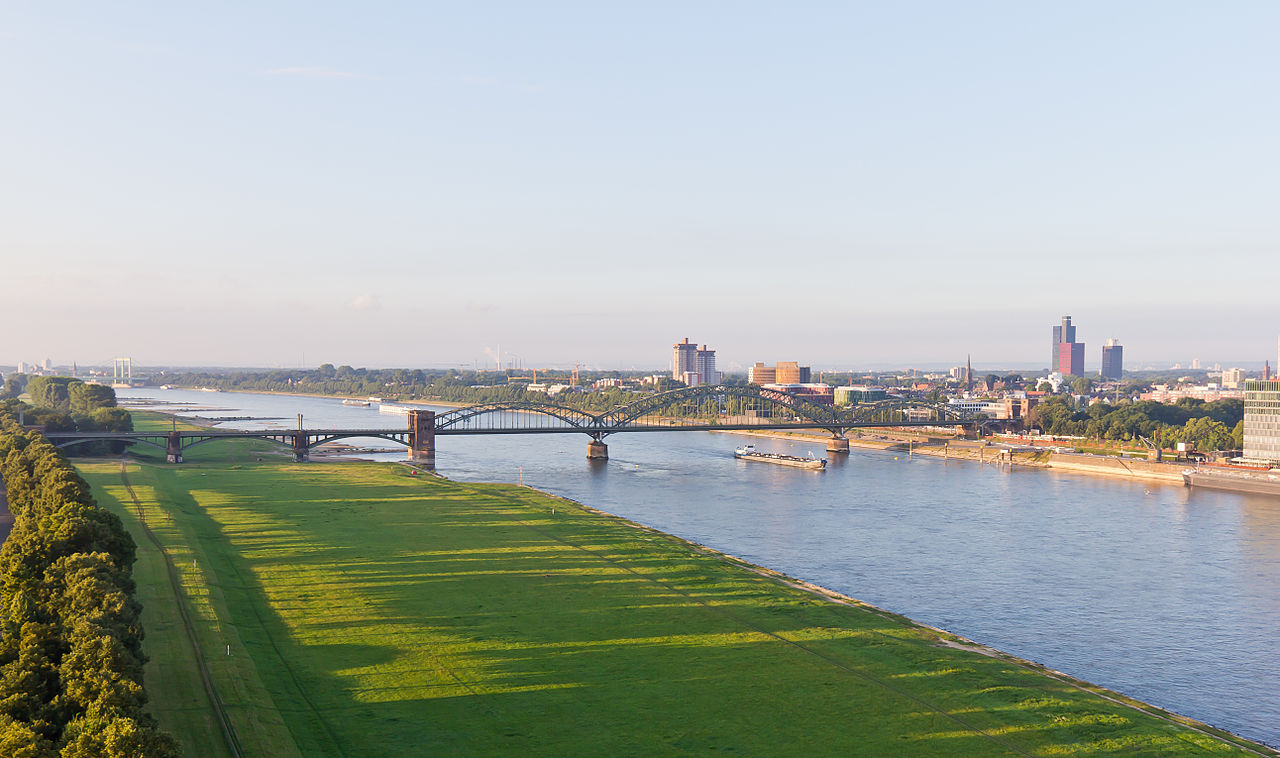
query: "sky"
843, 184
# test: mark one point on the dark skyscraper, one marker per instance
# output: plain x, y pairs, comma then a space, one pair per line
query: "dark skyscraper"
1112, 359
1064, 333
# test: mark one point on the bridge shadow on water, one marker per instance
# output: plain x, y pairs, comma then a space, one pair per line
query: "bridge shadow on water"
424, 618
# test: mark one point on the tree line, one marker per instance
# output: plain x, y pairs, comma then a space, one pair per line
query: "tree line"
64, 404
1218, 425
70, 636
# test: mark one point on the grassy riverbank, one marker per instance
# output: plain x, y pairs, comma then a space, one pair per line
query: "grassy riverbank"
368, 611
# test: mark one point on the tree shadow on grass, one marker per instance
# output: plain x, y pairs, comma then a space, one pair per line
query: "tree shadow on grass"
524, 642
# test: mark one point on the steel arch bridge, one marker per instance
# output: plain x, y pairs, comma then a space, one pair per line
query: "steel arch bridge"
700, 408
691, 409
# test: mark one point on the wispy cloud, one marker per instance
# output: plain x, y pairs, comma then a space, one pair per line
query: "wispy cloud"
315, 72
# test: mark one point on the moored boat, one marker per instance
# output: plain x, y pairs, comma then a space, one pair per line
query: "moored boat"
1253, 482
359, 403
749, 453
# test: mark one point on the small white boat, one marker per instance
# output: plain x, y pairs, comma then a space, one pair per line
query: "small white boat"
357, 403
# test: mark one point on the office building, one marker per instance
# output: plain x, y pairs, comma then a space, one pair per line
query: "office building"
1112, 359
762, 374
783, 372
1064, 332
705, 365
1071, 359
1262, 420
854, 395
1068, 355
791, 372
684, 359
1232, 378
693, 365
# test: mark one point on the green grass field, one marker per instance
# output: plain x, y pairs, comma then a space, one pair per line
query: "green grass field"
371, 612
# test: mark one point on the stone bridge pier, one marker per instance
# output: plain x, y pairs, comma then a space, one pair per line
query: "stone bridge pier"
597, 450
174, 452
838, 444
422, 437
301, 453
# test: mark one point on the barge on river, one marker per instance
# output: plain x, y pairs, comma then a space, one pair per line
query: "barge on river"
1256, 483
749, 453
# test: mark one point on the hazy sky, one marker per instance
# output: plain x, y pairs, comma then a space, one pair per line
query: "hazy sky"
843, 184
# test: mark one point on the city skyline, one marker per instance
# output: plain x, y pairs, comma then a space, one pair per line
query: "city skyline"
578, 182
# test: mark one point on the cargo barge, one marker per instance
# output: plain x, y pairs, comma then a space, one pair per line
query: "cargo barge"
749, 453
1256, 483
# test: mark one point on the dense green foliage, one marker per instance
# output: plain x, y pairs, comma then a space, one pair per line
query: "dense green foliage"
1211, 426
71, 651
14, 385
63, 404
450, 386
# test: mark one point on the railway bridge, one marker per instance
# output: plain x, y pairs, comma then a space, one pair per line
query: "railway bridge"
690, 409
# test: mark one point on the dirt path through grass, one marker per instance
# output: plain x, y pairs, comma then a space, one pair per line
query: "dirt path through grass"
219, 708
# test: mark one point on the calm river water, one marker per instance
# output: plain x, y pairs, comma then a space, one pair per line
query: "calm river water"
1163, 593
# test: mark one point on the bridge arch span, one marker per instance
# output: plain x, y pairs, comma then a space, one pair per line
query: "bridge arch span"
770, 400
399, 438
63, 442
573, 419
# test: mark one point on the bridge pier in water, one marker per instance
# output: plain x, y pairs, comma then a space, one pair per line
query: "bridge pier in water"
597, 450
174, 452
838, 444
422, 437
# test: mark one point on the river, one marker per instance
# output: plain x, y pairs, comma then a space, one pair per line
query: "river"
1163, 593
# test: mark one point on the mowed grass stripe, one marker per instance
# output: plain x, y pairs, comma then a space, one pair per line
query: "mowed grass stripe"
427, 617
797, 644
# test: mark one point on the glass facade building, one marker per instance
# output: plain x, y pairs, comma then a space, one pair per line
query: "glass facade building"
1262, 420
1064, 333
1112, 360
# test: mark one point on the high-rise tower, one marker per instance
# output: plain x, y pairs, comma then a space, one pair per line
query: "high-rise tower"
705, 365
684, 359
1064, 332
1112, 359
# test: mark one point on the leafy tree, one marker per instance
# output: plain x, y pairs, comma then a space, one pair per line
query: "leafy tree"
14, 385
86, 398
50, 392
